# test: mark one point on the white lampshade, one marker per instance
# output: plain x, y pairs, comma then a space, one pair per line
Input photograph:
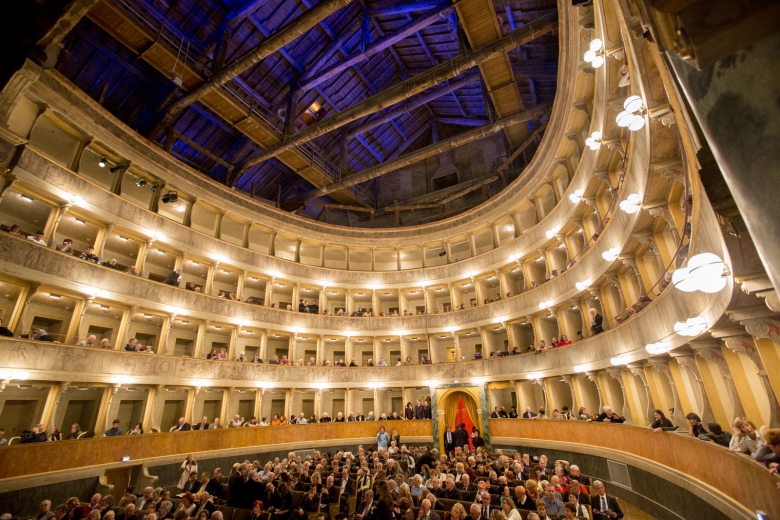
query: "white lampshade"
632, 204
592, 144
620, 360
597, 62
713, 285
705, 266
581, 286
596, 135
632, 104
637, 124
611, 255
624, 119
576, 196
683, 280
691, 327
589, 56
656, 348
596, 44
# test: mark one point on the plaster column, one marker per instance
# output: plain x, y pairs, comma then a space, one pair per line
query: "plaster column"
594, 376
296, 291
199, 340
50, 408
165, 331
100, 240
154, 204
287, 403
689, 362
218, 229
14, 91
319, 359
626, 412
456, 343
209, 277
264, 344
240, 286
616, 283
375, 303
501, 284
477, 292
122, 336
348, 351
151, 404
8, 180
321, 300
187, 219
190, 411
317, 399
62, 210
638, 370
744, 345
662, 367
716, 356
292, 350
102, 415
143, 252
234, 333
269, 292
376, 345
76, 320
258, 408
574, 403
227, 395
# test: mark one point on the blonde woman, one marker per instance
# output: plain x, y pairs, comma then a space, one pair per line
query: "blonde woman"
458, 512
497, 514
509, 509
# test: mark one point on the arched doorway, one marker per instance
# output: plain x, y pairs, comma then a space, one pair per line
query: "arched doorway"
460, 404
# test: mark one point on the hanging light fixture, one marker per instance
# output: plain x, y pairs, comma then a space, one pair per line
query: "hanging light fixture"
611, 255
581, 286
102, 162
633, 114
576, 197
595, 54
657, 348
632, 204
704, 272
594, 141
693, 326
620, 360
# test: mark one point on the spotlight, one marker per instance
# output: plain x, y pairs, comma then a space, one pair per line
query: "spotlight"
171, 196
141, 183
102, 162
152, 187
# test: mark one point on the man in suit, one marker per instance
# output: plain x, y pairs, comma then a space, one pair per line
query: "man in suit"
463, 439
419, 411
365, 510
513, 413
253, 488
604, 507
183, 426
347, 489
204, 504
484, 506
449, 440
236, 486
426, 512
427, 414
128, 514
202, 425
214, 487
465, 484
528, 414
496, 413
351, 417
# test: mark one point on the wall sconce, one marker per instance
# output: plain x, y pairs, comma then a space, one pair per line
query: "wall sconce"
657, 348
704, 272
693, 326
576, 197
611, 255
632, 204
620, 360
633, 115
595, 54
594, 141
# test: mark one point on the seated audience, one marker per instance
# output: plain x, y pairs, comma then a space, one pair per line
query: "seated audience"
746, 438
90, 256
38, 238
660, 423
610, 416
66, 246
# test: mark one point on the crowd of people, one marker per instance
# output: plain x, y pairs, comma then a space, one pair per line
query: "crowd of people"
389, 482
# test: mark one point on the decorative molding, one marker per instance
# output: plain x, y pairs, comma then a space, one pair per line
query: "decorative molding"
764, 328
670, 170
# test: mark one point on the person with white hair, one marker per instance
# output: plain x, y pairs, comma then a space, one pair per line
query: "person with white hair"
596, 321
608, 415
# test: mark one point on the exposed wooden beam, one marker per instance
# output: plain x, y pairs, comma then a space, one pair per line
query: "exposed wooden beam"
411, 105
522, 147
412, 86
423, 153
344, 206
468, 190
313, 77
463, 121
286, 35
